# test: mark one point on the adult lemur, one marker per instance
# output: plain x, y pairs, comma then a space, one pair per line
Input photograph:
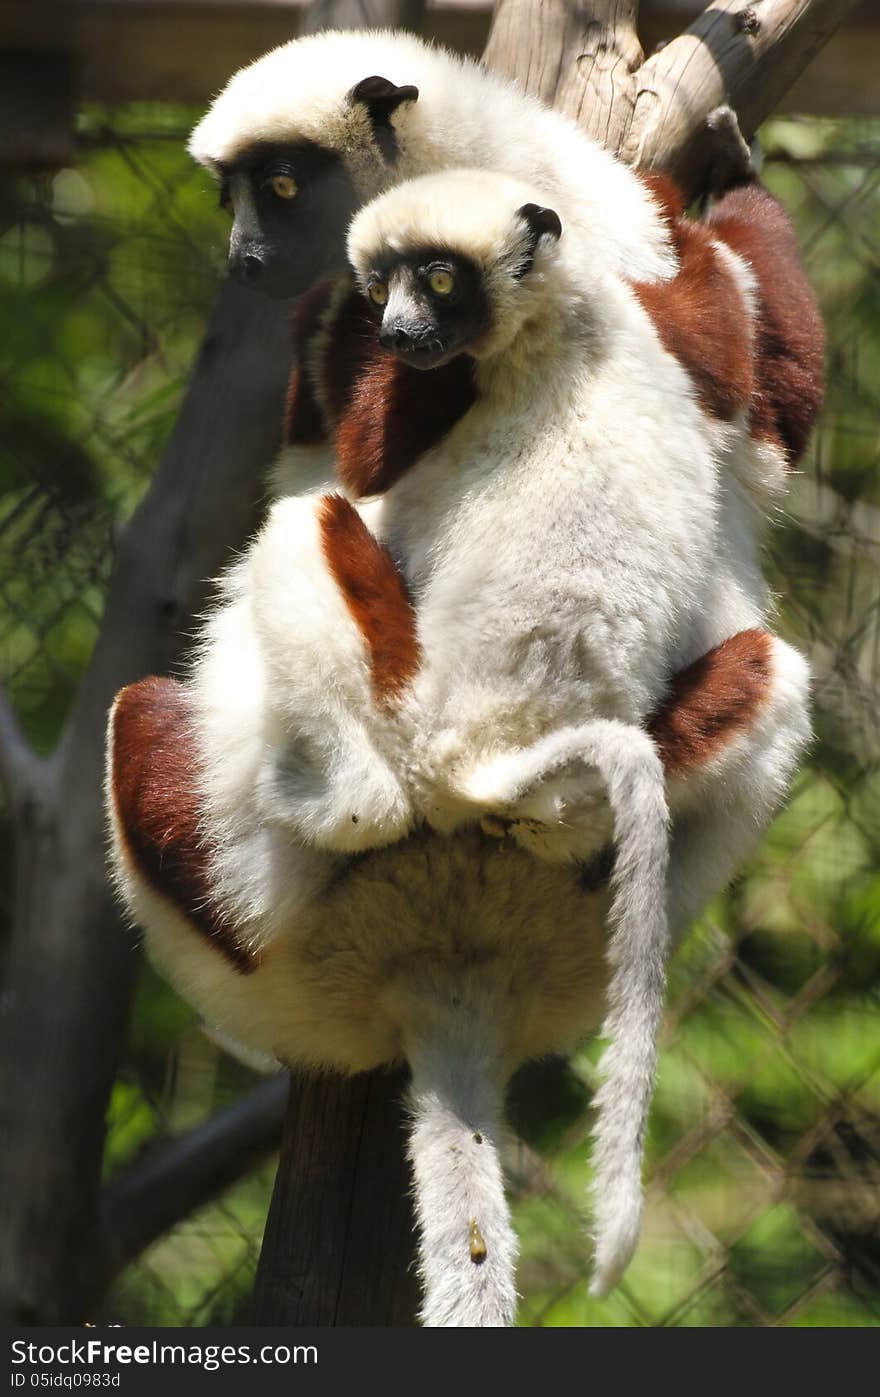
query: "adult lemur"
310, 971
303, 137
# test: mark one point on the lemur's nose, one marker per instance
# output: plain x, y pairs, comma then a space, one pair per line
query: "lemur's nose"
395, 337
247, 264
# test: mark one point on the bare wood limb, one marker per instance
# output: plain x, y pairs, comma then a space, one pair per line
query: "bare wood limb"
744, 54
576, 57
339, 1238
586, 60
183, 1173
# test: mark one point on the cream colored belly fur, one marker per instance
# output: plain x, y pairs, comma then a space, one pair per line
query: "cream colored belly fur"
460, 917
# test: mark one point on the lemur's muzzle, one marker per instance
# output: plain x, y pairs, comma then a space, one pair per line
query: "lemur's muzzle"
418, 351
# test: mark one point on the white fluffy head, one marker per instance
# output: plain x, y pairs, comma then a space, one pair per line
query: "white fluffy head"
300, 92
474, 214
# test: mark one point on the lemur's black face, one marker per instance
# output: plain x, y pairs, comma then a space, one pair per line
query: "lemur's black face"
433, 306
291, 205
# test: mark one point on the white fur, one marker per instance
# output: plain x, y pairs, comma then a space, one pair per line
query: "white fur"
334, 989
464, 116
563, 564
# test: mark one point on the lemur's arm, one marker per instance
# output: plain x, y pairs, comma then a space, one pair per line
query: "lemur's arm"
731, 734
741, 318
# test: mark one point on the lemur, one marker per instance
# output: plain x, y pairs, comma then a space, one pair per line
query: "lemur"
492, 721
279, 978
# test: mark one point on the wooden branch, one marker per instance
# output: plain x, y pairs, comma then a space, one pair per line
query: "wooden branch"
745, 53
172, 1180
653, 113
577, 58
339, 1238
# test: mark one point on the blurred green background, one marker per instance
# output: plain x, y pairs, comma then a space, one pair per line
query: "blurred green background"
764, 1150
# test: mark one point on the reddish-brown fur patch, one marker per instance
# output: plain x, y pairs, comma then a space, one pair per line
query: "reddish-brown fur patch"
386, 415
789, 350
304, 423
156, 800
712, 700
665, 192
701, 318
303, 419
375, 594
395, 415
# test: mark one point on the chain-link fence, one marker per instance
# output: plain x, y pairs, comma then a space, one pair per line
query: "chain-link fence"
764, 1149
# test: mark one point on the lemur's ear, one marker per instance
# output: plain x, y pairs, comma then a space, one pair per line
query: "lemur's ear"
540, 223
382, 97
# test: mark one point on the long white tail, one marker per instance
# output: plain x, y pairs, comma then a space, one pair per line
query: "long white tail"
553, 782
467, 1246
637, 952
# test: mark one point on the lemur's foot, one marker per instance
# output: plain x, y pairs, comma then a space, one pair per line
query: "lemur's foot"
556, 814
731, 160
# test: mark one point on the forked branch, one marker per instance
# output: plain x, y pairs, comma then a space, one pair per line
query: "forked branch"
586, 60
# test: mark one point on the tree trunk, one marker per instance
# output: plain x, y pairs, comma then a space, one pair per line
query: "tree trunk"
339, 1236
71, 963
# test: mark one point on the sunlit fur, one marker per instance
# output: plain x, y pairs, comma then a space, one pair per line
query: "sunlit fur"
464, 115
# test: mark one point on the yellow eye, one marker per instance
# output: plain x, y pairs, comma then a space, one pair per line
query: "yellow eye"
441, 282
284, 186
378, 293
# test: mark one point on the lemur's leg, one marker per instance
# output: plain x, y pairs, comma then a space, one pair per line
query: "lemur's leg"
336, 632
211, 930
730, 735
789, 336
160, 857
